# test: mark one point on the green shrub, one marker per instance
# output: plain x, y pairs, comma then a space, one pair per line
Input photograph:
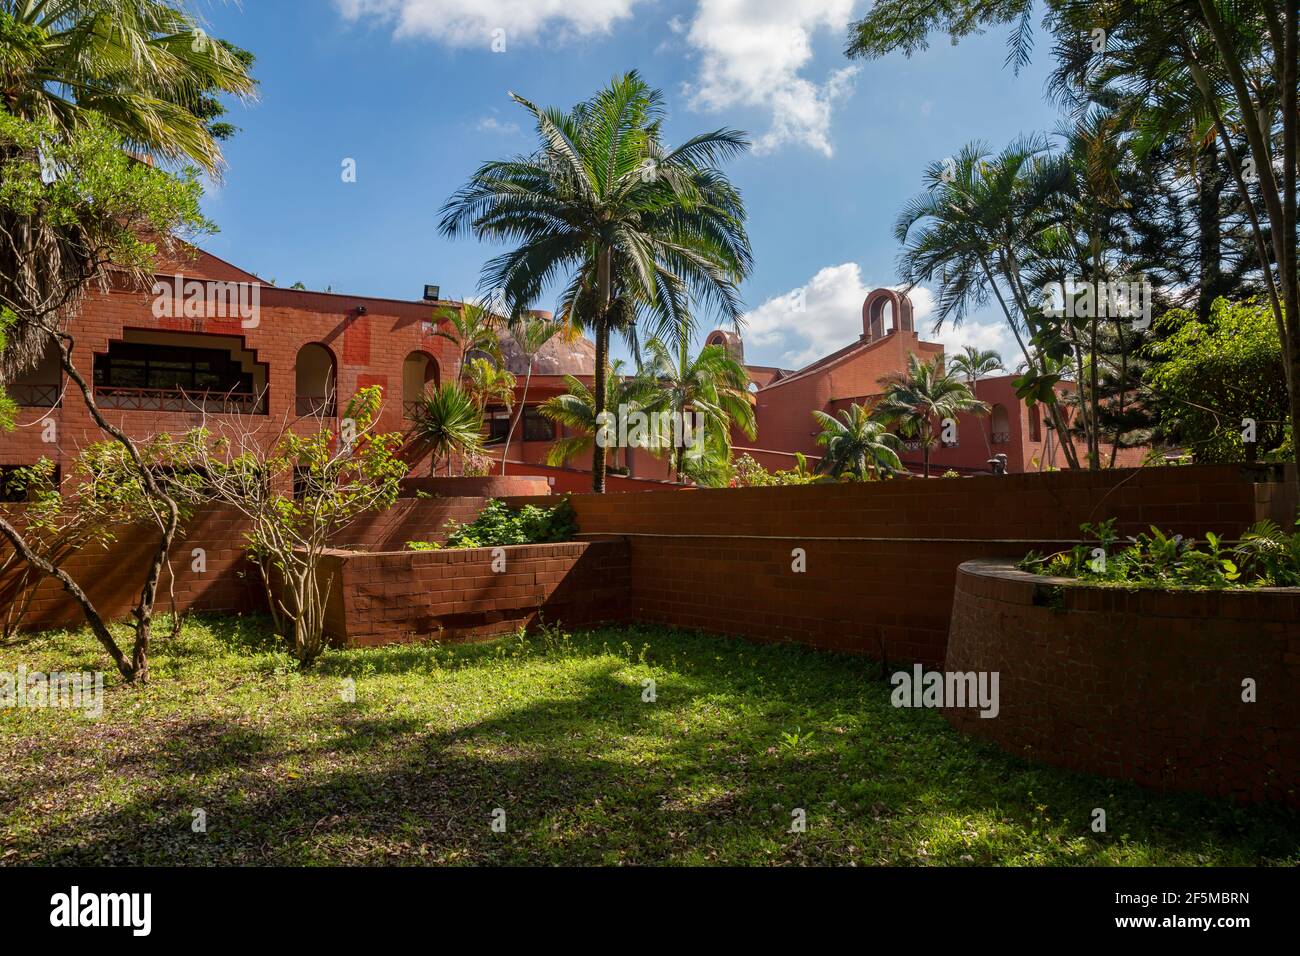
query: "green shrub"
1266, 556
498, 525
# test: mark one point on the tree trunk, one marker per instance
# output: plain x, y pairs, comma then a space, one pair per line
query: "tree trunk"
523, 410
97, 625
1209, 188
602, 359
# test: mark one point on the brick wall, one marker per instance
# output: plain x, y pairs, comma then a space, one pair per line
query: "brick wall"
457, 595
1141, 685
881, 558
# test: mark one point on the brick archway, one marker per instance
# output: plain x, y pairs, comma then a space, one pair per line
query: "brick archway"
873, 313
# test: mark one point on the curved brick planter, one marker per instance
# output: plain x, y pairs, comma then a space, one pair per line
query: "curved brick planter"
487, 486
1143, 685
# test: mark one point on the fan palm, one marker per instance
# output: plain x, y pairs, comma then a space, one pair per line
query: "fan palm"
926, 392
146, 67
856, 445
712, 385
578, 411
636, 225
530, 334
448, 423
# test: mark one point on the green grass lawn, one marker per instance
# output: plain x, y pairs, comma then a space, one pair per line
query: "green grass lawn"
553, 730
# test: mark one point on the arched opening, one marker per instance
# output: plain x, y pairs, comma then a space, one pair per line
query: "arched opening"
1035, 425
419, 371
41, 385
1001, 424
314, 381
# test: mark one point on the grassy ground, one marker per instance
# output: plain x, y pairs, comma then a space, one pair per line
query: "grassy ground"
553, 730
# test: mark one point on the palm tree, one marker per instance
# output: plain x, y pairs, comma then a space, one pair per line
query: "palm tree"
856, 445
473, 328
448, 423
145, 67
924, 393
712, 385
976, 230
578, 411
485, 383
529, 335
974, 364
635, 224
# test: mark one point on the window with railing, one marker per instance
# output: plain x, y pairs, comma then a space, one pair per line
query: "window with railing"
146, 377
1002, 438
35, 396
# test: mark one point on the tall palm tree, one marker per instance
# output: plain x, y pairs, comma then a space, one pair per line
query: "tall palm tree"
146, 67
473, 328
924, 394
974, 363
976, 229
530, 334
856, 445
578, 411
635, 223
712, 385
448, 423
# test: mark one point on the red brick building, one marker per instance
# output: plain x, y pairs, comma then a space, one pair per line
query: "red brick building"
231, 344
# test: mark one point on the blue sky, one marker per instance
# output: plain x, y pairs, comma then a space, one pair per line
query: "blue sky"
413, 91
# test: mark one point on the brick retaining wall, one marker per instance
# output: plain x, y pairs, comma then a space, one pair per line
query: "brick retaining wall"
1143, 685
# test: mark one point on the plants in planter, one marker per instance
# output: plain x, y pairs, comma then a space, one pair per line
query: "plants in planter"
498, 525
1265, 556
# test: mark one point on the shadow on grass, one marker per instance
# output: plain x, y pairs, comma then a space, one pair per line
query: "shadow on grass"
589, 773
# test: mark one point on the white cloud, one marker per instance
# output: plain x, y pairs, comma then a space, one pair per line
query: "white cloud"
752, 53
467, 23
490, 124
825, 314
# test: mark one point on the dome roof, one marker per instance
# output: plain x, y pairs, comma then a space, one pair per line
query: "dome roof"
559, 356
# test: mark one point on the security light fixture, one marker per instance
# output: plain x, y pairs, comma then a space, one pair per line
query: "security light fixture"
432, 293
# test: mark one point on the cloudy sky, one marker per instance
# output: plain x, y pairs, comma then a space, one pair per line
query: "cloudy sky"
414, 92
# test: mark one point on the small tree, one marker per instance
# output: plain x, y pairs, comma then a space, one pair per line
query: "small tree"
56, 526
857, 446
922, 396
448, 423
530, 334
297, 493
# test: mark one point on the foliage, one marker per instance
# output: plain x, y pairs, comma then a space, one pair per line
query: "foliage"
922, 397
146, 68
856, 446
529, 334
297, 493
952, 473
748, 473
487, 384
497, 524
1265, 556
578, 411
638, 226
448, 423
472, 327
1207, 377
713, 386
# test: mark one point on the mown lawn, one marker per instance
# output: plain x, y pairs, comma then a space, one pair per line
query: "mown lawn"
553, 730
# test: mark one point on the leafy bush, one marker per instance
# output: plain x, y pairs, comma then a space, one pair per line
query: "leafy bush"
952, 473
748, 473
1266, 556
498, 525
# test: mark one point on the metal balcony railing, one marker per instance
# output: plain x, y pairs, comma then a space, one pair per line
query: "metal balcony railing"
34, 396
318, 406
179, 400
1002, 438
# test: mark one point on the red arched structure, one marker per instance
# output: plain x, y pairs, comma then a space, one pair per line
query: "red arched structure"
873, 313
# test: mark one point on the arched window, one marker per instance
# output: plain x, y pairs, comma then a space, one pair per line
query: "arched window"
315, 381
1035, 425
1001, 425
419, 371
